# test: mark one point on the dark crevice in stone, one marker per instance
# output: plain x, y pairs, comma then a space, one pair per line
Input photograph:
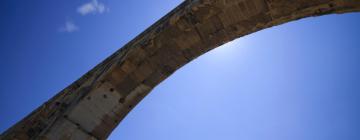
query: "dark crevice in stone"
122, 100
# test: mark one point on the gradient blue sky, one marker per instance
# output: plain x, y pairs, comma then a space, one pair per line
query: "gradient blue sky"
297, 81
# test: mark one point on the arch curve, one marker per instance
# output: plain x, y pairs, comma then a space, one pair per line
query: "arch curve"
94, 105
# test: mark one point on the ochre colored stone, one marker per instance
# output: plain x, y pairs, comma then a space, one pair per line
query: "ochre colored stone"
94, 105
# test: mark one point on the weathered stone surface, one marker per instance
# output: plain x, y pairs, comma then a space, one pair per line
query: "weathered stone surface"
95, 104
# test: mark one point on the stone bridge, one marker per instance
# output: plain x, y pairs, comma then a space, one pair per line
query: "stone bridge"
95, 104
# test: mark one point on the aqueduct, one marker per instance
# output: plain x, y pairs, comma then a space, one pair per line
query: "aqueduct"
94, 105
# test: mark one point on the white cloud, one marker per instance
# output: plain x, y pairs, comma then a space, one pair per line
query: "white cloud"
93, 7
69, 27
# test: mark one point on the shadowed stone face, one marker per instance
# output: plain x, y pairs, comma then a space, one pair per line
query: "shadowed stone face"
94, 105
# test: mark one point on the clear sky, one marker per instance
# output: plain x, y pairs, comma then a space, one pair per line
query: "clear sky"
298, 81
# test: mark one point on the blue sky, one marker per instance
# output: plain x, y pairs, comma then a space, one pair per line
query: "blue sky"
296, 81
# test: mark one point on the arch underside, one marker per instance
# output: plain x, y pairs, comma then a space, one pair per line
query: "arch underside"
94, 105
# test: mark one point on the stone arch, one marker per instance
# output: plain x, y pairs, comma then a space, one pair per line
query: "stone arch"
94, 105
